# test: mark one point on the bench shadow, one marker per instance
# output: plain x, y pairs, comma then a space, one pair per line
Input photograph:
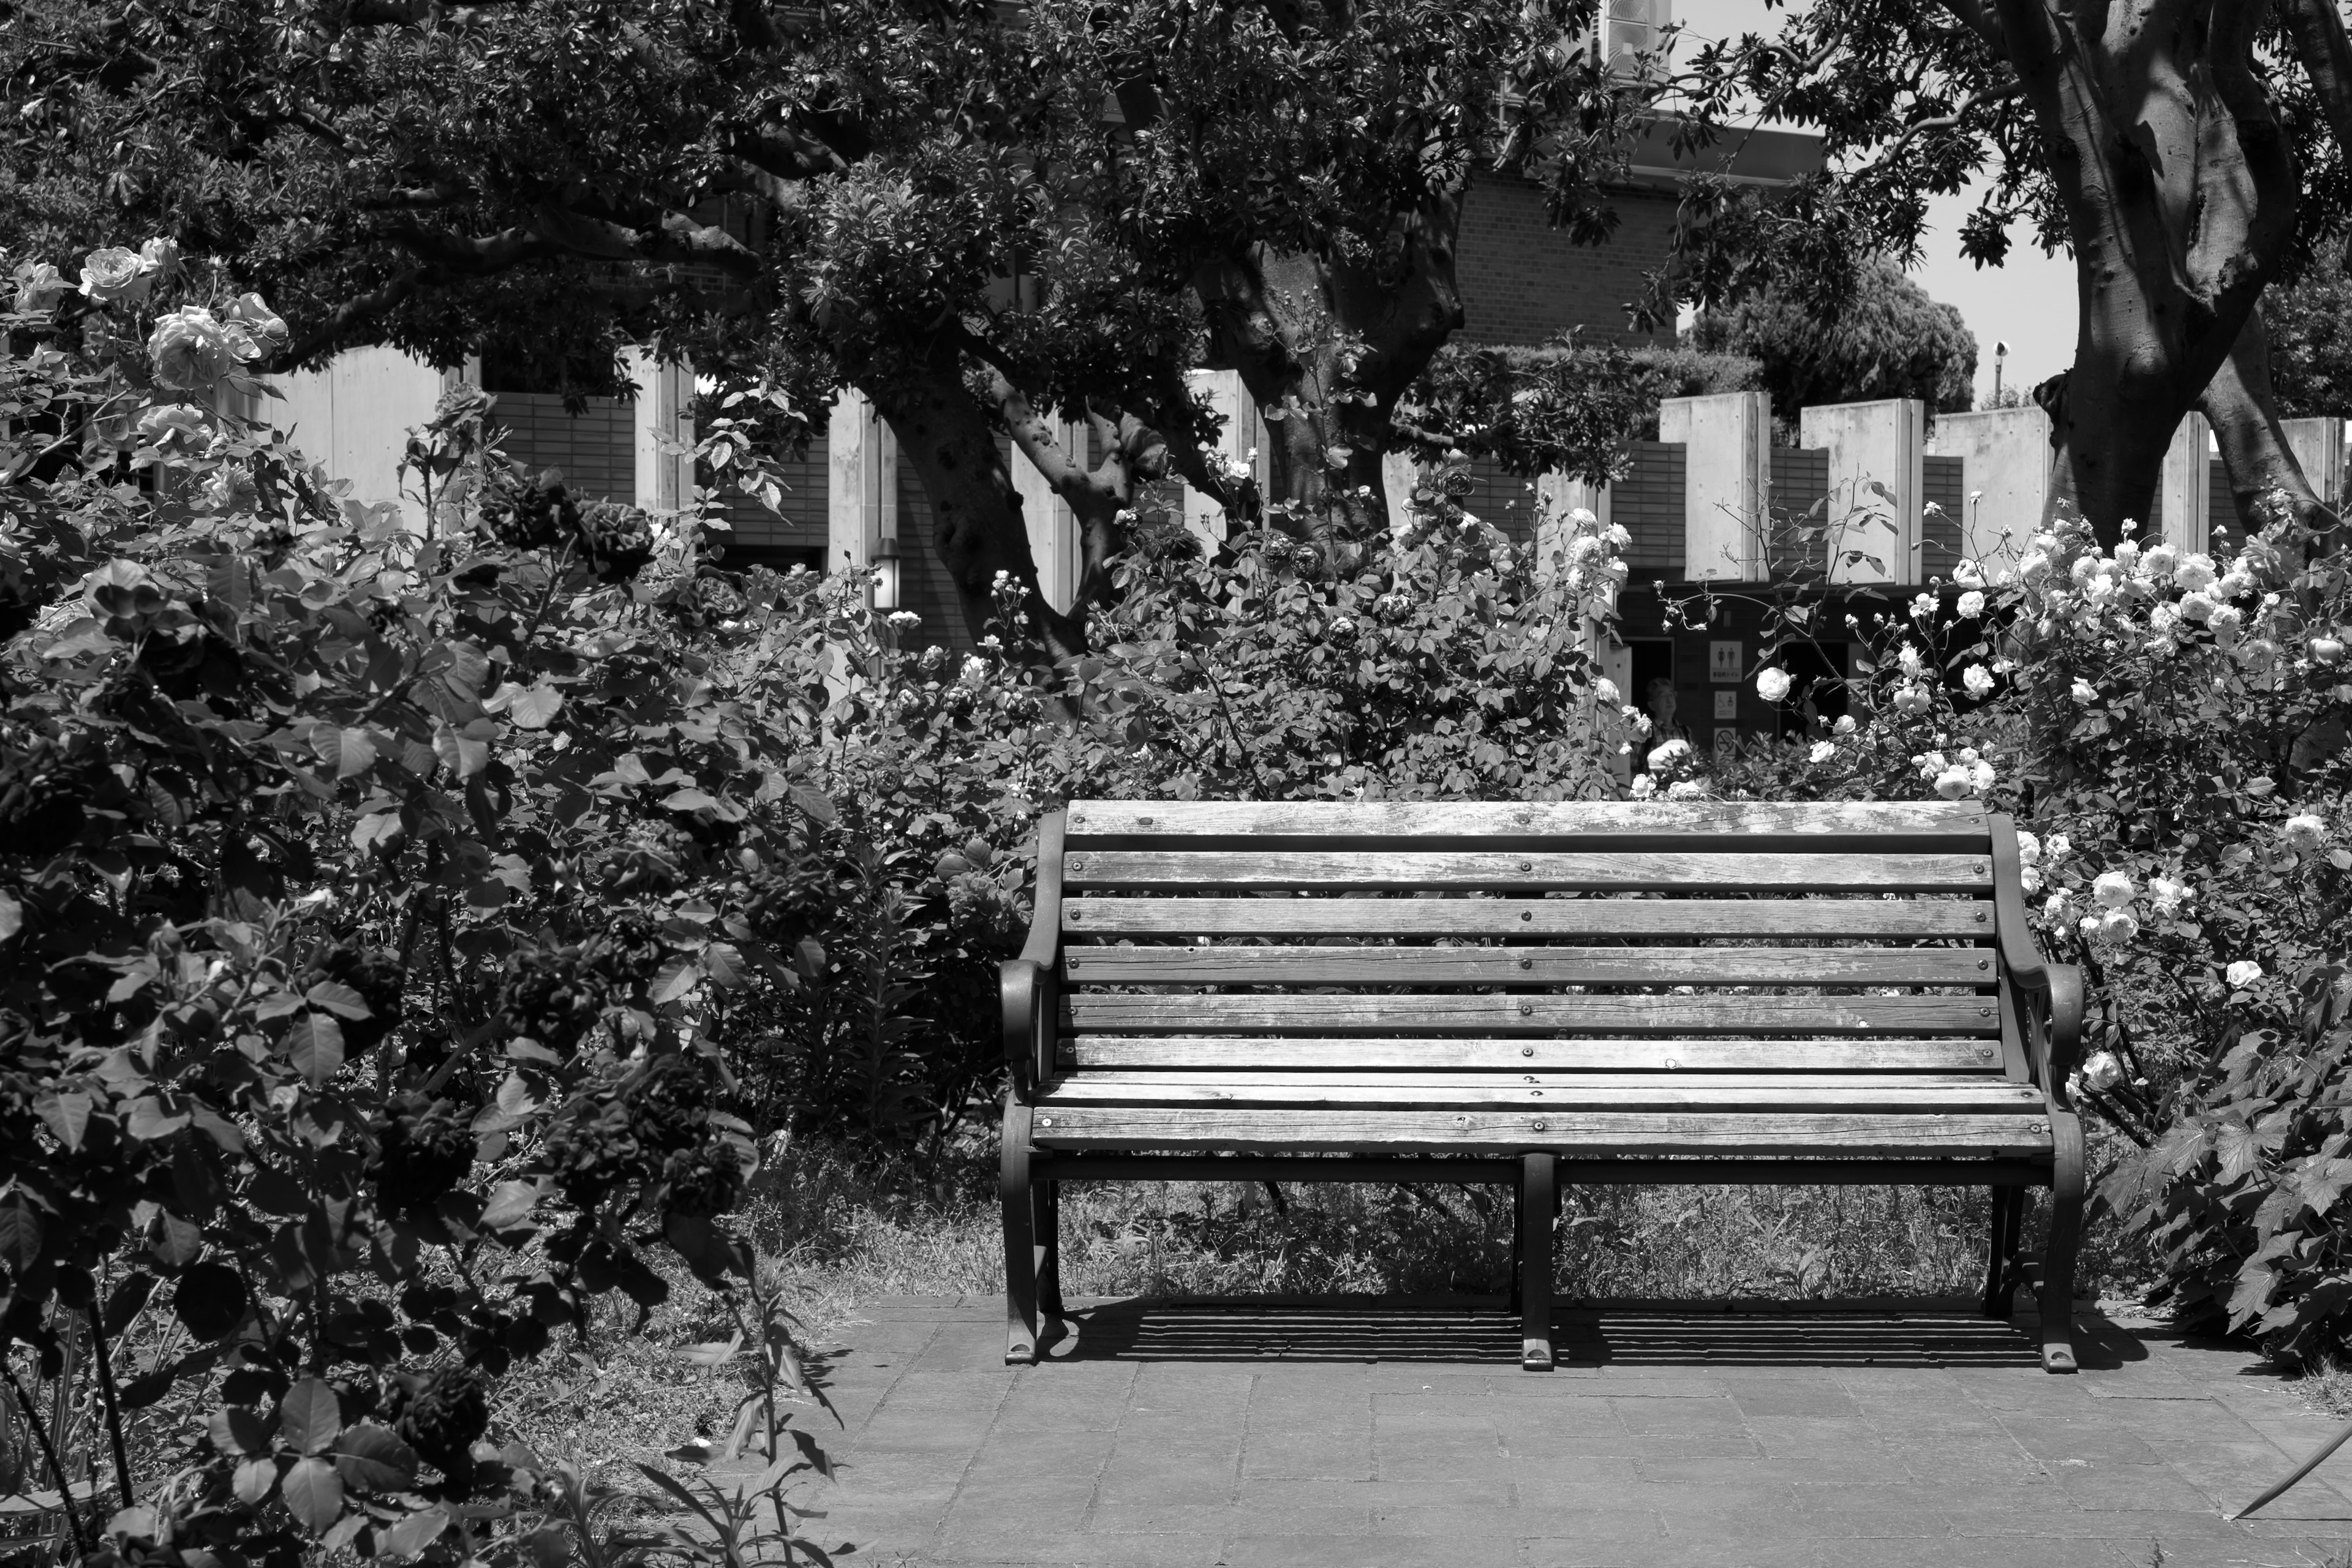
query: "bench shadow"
1486, 1335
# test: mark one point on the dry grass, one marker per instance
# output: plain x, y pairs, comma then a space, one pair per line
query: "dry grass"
846, 1232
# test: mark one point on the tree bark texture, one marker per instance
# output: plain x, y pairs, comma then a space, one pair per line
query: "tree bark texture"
978, 526
1326, 345
2255, 450
2179, 193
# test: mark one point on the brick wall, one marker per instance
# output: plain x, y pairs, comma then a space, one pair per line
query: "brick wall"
596, 449
795, 535
1648, 504
1946, 481
1523, 282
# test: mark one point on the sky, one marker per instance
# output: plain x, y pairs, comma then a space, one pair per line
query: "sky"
2027, 302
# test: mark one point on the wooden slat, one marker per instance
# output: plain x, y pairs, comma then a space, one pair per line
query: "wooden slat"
1266, 965
1730, 1092
1862, 827
1412, 1013
1575, 1131
1771, 919
1087, 1052
1649, 871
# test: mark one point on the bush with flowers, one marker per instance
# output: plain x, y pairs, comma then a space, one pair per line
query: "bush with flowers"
373, 906
2169, 729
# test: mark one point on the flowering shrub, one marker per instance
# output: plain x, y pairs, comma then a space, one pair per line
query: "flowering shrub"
2169, 727
368, 926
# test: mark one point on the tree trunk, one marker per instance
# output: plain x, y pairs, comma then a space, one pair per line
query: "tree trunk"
2253, 444
1325, 347
978, 527
2179, 194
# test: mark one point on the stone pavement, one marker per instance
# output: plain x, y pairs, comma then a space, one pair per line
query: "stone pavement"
1292, 1437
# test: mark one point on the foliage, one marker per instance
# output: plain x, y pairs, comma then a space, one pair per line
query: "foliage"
2311, 341
2170, 729
1566, 407
1883, 338
308, 1036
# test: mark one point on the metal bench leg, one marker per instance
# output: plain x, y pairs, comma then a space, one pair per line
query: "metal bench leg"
1997, 1251
1538, 1194
2065, 1237
1046, 1204
1020, 1239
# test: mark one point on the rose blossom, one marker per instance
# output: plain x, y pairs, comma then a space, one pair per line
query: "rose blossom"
2113, 889
2243, 973
190, 350
1772, 684
2306, 832
114, 276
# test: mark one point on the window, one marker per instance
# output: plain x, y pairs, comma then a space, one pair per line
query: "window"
1631, 28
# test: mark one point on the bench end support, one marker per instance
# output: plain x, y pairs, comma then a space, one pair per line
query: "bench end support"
1539, 1204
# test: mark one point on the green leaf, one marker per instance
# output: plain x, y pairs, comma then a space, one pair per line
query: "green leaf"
314, 1494
20, 1236
68, 1116
679, 977
12, 916
337, 998
414, 1534
511, 1203
210, 1299
372, 1461
310, 1416
315, 1046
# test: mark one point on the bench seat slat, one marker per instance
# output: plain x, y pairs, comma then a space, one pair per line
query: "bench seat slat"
1528, 967
1584, 1133
1769, 919
1089, 1052
1911, 826
1646, 872
1728, 1092
1411, 1013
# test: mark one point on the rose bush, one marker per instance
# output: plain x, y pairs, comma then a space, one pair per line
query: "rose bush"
371, 913
2169, 727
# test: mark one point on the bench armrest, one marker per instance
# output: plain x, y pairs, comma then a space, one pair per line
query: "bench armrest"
1025, 985
2048, 997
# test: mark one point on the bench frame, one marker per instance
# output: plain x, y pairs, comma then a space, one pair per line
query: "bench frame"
2046, 1019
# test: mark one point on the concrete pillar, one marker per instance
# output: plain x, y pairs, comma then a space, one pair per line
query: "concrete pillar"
1244, 434
1053, 526
2184, 492
354, 417
1877, 485
2005, 480
663, 416
861, 493
1398, 474
1727, 442
2318, 447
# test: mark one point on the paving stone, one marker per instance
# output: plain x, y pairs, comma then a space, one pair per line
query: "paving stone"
1786, 1398
1678, 1417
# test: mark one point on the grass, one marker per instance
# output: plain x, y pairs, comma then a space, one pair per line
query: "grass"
842, 1229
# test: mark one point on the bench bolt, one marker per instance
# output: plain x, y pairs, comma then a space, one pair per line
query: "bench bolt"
1526, 1050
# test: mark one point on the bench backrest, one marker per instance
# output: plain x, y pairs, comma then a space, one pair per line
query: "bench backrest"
1610, 937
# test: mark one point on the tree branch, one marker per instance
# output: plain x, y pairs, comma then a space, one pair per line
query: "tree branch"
2326, 52
366, 307
1886, 155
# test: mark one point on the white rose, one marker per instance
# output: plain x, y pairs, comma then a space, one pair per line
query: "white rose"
1970, 605
115, 276
2113, 889
1643, 787
1605, 690
1978, 680
2060, 847
1924, 607
190, 350
2034, 568
1822, 751
2195, 572
2234, 583
1955, 783
2243, 973
2087, 928
2127, 555
2118, 926
2102, 1071
1772, 684
1689, 789
1968, 574
2156, 561
2306, 832
2169, 894
2028, 848
2055, 907
1909, 658
2083, 691
1668, 755
1844, 726
2029, 880
2197, 607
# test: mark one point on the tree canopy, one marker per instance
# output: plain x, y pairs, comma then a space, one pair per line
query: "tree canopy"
2310, 327
1885, 339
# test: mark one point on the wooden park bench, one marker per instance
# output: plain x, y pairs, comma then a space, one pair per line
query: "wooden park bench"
1537, 993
